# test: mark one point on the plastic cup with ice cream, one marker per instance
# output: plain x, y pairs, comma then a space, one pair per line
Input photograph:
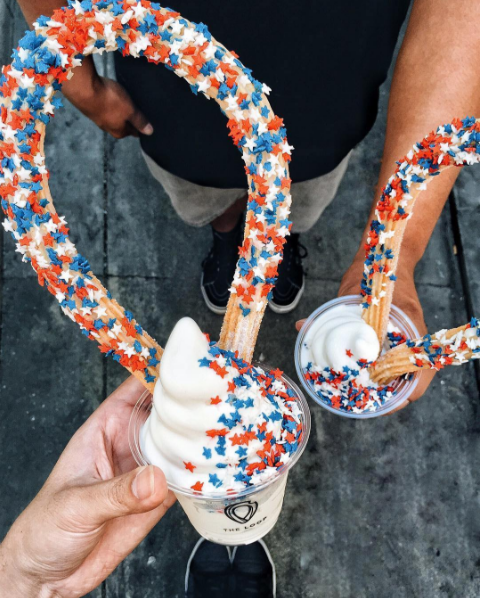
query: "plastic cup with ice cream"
225, 441
332, 351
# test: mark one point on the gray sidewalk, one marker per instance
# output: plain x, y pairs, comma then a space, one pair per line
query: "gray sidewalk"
386, 508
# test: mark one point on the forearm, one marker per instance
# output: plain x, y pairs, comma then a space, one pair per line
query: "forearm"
81, 87
435, 80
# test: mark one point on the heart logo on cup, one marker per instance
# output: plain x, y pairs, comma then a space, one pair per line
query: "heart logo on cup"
242, 512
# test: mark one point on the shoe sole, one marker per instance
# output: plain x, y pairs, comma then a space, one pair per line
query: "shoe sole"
219, 311
285, 309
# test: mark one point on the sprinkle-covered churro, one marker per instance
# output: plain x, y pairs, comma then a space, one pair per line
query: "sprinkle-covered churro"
45, 58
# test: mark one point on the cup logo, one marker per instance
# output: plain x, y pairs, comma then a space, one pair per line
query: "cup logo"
241, 512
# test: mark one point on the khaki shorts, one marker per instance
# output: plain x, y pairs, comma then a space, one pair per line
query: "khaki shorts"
198, 205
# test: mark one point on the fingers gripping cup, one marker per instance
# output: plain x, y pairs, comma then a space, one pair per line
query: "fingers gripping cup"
334, 351
224, 432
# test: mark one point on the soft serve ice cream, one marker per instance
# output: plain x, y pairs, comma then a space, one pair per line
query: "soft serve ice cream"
335, 355
218, 424
340, 338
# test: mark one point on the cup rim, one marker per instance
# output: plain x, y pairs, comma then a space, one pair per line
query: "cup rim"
145, 402
390, 405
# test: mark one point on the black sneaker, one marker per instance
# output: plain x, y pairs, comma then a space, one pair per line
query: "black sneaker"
209, 571
219, 267
291, 280
254, 571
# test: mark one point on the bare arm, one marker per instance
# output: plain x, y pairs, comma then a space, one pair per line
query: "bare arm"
435, 80
102, 100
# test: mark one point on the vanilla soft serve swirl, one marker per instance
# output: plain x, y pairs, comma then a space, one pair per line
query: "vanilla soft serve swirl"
217, 423
341, 339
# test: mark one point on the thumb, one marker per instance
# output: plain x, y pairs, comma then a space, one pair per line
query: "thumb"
138, 491
140, 122
299, 324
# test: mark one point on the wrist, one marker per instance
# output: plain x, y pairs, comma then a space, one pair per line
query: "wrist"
15, 581
85, 85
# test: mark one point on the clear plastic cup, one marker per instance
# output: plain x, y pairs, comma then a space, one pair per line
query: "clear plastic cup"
237, 517
404, 386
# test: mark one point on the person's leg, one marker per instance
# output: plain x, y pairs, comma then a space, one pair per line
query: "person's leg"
222, 208
227, 221
197, 205
309, 200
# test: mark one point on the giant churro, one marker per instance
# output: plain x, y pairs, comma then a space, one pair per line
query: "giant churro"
455, 144
44, 59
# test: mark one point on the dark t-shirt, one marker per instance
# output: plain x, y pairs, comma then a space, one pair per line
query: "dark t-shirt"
323, 59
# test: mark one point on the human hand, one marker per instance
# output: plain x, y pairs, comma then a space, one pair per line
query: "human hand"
405, 297
93, 510
108, 105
